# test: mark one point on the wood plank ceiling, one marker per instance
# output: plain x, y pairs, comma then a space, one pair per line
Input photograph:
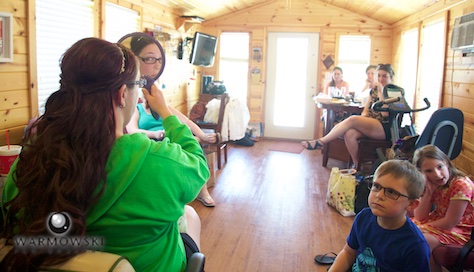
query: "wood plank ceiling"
386, 11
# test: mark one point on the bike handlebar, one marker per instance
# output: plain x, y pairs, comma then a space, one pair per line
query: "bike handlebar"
377, 106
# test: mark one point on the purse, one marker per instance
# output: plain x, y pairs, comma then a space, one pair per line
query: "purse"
362, 193
341, 190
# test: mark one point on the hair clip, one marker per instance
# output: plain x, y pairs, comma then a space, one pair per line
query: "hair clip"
123, 60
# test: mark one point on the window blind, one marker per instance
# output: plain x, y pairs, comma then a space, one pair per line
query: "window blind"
120, 21
59, 24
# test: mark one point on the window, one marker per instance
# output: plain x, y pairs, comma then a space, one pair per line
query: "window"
59, 24
234, 62
431, 70
120, 21
354, 65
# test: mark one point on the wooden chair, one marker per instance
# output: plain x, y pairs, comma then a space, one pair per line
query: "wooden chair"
216, 127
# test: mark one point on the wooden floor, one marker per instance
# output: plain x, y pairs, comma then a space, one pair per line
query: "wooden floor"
271, 213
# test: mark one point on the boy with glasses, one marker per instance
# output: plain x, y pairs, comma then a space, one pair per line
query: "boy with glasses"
382, 237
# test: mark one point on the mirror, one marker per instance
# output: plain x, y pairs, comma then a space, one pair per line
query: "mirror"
151, 55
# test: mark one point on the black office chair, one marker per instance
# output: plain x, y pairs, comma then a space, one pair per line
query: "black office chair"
444, 130
196, 262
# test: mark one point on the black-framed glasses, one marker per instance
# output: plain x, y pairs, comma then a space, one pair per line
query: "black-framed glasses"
141, 83
388, 192
151, 60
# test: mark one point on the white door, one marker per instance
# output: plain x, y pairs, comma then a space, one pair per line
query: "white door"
292, 75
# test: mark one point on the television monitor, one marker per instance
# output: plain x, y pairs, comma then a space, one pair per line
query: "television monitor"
203, 50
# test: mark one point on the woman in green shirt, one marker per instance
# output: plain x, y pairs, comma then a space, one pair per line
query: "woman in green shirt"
126, 189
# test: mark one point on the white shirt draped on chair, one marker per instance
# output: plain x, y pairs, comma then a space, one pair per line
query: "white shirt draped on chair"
236, 120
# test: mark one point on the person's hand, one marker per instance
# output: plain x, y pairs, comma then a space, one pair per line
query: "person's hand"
156, 101
210, 138
379, 86
367, 84
159, 135
430, 187
370, 84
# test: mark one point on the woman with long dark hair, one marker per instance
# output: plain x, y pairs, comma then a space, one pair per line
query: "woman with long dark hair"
126, 189
337, 87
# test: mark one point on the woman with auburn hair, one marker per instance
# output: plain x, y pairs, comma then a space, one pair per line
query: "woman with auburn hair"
370, 124
126, 189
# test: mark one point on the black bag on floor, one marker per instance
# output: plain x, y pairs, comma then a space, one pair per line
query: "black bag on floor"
362, 194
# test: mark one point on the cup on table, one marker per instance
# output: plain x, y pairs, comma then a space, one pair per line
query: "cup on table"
331, 91
8, 155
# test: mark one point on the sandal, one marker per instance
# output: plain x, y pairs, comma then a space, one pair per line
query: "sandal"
327, 258
206, 201
316, 146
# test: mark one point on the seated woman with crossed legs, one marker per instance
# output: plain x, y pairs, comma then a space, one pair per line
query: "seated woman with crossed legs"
370, 124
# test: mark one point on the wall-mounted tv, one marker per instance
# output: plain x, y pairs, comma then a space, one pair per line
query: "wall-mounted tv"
204, 50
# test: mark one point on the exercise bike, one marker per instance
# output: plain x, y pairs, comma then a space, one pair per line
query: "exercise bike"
395, 104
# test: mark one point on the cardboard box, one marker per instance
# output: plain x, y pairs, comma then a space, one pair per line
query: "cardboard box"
212, 163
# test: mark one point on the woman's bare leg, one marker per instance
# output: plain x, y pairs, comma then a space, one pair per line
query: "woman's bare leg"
193, 224
368, 127
204, 194
350, 139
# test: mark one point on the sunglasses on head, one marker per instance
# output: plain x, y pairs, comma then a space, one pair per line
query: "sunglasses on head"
386, 66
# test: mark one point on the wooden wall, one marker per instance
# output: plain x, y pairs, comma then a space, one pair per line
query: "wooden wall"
18, 93
14, 77
458, 87
304, 16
